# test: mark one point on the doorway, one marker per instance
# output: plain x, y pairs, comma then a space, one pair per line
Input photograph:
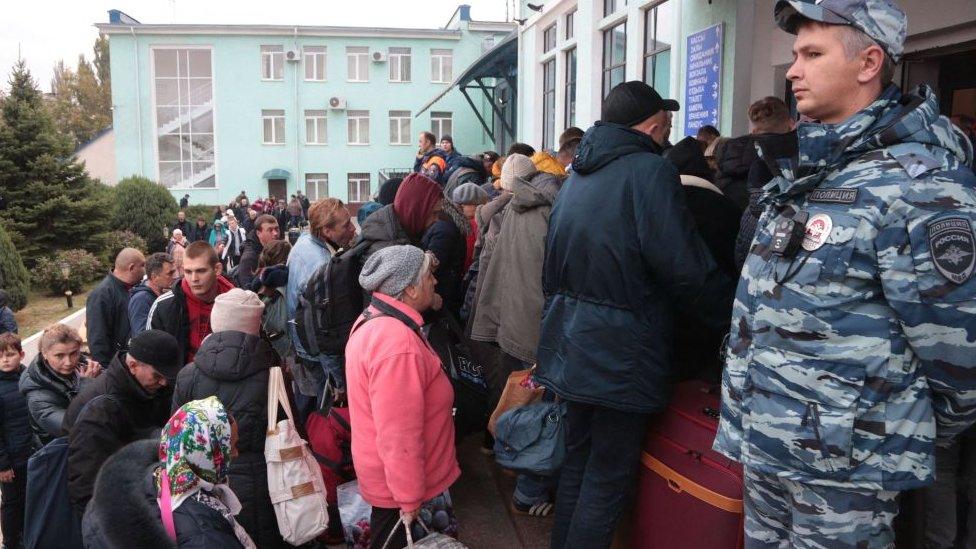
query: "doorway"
949, 72
278, 188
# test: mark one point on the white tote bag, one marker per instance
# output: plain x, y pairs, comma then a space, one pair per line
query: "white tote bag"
294, 477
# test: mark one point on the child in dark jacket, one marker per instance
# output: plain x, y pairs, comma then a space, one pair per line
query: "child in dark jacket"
16, 441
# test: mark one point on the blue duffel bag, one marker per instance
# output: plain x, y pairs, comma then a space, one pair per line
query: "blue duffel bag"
531, 439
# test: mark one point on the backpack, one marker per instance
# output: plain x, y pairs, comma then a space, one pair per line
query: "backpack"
330, 440
331, 303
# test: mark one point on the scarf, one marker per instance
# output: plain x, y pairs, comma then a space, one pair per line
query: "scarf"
194, 449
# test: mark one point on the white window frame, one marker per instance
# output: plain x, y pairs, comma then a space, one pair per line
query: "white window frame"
438, 121
271, 116
310, 58
397, 120
395, 58
316, 180
358, 178
437, 72
357, 118
320, 126
275, 56
358, 57
213, 106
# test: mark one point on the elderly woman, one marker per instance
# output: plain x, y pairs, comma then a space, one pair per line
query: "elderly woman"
400, 400
188, 467
54, 378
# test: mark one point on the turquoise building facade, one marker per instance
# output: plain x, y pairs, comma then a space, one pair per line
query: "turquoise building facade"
213, 110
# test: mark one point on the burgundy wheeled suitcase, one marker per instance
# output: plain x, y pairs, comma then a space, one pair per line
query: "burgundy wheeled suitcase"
688, 496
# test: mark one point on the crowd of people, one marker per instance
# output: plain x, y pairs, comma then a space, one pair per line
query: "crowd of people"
607, 270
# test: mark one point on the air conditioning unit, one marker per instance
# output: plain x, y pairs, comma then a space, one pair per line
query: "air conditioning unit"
379, 57
293, 55
337, 103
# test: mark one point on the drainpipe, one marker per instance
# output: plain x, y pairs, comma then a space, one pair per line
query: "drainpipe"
299, 119
135, 49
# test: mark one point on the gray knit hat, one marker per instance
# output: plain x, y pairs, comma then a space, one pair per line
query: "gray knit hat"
390, 270
516, 165
469, 193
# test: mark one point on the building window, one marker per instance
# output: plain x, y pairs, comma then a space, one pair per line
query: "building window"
358, 188
316, 186
440, 124
570, 118
614, 56
274, 126
571, 24
272, 62
658, 36
441, 66
548, 103
399, 60
358, 127
316, 127
549, 38
184, 108
611, 6
314, 63
399, 127
358, 59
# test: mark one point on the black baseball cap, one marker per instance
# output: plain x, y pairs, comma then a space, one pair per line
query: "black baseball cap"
631, 103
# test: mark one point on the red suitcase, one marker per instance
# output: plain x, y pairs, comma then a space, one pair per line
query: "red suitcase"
688, 496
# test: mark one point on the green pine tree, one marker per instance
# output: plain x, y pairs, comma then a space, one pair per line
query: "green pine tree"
13, 275
52, 204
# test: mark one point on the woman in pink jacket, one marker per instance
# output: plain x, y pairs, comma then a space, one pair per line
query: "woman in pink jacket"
400, 400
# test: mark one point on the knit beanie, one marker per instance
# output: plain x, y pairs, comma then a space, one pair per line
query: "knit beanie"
415, 200
388, 191
516, 166
390, 270
237, 310
469, 193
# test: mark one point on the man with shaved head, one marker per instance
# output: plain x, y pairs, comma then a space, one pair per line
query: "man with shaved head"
106, 311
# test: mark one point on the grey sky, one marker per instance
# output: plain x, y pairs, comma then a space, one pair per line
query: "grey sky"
48, 30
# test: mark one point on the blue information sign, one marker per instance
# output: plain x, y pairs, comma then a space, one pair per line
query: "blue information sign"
703, 74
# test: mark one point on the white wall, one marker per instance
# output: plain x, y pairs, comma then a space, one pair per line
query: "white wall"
99, 158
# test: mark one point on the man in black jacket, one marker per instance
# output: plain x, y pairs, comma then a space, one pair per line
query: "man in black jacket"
126, 403
107, 308
266, 231
622, 252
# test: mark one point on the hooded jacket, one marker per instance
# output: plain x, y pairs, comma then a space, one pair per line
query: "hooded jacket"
545, 162
446, 240
383, 229
250, 257
141, 298
48, 395
234, 367
123, 512
621, 252
108, 424
510, 305
847, 363
16, 441
169, 313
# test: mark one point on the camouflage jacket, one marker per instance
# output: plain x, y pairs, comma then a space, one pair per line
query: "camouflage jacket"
847, 362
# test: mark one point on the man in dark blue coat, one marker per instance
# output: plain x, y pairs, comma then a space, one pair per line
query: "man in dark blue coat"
622, 253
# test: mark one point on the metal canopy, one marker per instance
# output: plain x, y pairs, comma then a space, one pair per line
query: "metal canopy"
276, 173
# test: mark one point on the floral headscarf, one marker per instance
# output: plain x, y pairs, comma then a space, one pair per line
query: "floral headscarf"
195, 448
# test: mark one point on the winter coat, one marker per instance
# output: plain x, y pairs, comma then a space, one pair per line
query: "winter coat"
447, 242
200, 234
489, 217
231, 255
621, 252
734, 161
108, 424
466, 169
400, 403
16, 438
234, 367
141, 298
848, 363
248, 266
510, 305
183, 226
307, 256
8, 322
124, 514
107, 319
383, 229
48, 395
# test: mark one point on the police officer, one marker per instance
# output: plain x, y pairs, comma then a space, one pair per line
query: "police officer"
853, 344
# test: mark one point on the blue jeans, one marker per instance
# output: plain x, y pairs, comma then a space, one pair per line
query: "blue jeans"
532, 489
603, 448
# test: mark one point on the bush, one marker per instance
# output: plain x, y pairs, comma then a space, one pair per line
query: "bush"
199, 210
145, 208
113, 242
14, 277
82, 267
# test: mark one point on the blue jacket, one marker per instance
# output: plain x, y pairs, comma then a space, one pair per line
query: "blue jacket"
621, 251
141, 298
16, 437
7, 321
